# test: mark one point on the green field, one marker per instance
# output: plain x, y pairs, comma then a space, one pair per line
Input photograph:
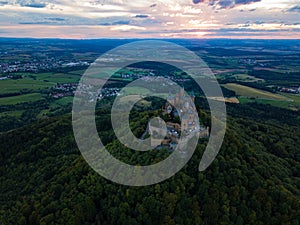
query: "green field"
134, 98
63, 101
54, 78
16, 114
21, 99
13, 86
248, 92
247, 78
35, 82
295, 98
280, 104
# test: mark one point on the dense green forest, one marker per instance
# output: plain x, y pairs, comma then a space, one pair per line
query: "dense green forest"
255, 179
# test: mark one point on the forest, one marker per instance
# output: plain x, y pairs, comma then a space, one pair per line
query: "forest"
255, 179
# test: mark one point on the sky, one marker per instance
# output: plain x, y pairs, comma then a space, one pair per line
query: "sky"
89, 19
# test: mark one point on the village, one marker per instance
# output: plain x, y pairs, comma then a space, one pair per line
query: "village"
292, 90
36, 65
69, 89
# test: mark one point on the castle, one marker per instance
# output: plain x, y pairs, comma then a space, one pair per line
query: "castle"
177, 105
183, 106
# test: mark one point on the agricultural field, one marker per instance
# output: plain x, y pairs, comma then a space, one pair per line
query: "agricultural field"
63, 101
19, 97
248, 92
295, 98
15, 114
55, 78
134, 98
292, 105
247, 78
248, 95
40, 81
32, 97
27, 83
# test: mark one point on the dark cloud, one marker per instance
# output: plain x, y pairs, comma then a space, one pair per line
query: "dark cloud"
249, 22
295, 9
35, 5
258, 22
226, 3
121, 22
197, 1
3, 3
47, 21
244, 2
55, 19
141, 16
36, 23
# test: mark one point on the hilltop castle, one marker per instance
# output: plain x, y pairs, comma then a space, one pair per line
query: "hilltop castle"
183, 106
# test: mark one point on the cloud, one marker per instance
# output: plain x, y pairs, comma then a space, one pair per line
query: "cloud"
141, 16
55, 19
37, 23
127, 28
45, 21
35, 5
116, 23
295, 9
226, 3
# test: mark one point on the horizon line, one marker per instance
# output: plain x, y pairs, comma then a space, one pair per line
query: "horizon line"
152, 38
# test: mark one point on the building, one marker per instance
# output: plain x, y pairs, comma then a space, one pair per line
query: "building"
183, 106
168, 134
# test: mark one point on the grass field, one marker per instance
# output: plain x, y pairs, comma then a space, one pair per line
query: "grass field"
20, 99
40, 81
295, 98
129, 98
62, 102
16, 114
247, 78
12, 86
58, 77
280, 104
248, 92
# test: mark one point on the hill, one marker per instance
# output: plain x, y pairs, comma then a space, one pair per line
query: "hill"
255, 179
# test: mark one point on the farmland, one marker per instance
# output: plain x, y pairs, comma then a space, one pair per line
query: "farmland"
13, 86
35, 80
248, 92
20, 99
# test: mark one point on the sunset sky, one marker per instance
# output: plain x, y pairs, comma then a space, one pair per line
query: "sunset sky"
150, 19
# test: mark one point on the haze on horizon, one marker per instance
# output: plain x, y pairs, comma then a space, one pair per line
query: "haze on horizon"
259, 19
